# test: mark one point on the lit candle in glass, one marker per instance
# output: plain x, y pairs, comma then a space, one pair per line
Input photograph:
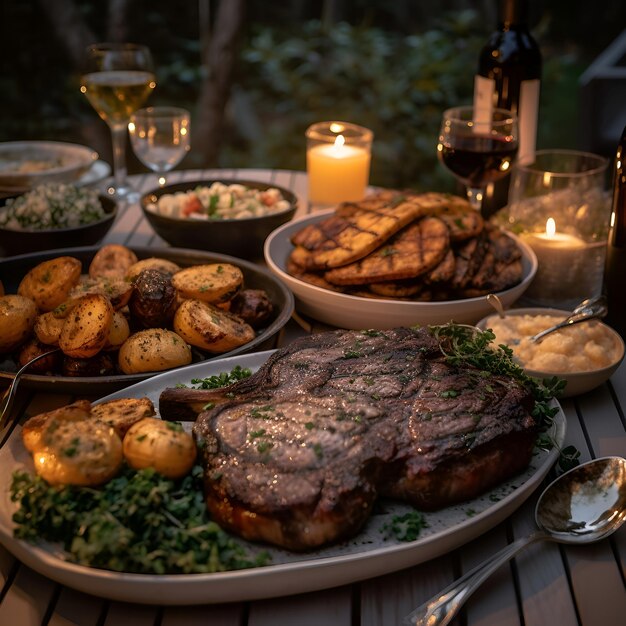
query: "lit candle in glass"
567, 267
338, 162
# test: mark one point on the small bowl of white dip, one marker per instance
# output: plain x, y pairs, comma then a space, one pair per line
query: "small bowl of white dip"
585, 355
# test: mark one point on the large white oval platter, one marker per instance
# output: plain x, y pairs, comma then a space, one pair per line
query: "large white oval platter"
365, 556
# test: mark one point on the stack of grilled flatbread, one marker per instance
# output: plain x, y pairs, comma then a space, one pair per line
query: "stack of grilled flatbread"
406, 245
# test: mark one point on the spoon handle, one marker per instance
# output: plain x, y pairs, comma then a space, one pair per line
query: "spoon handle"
443, 607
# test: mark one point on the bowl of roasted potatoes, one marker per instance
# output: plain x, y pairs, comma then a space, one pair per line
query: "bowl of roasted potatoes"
118, 315
399, 259
224, 216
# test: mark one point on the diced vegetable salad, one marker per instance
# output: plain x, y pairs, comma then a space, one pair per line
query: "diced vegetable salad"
221, 202
51, 206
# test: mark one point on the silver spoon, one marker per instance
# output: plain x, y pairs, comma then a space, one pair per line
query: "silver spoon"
583, 505
6, 400
587, 310
496, 303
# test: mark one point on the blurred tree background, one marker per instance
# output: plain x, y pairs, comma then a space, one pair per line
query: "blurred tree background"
255, 74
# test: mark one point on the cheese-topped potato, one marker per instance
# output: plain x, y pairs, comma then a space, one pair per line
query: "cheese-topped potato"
160, 444
71, 447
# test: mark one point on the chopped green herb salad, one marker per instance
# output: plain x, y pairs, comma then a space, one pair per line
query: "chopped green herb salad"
52, 206
138, 522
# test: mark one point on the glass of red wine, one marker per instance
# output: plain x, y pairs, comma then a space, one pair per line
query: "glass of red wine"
478, 146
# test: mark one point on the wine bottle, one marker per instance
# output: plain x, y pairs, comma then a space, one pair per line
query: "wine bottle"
509, 75
615, 268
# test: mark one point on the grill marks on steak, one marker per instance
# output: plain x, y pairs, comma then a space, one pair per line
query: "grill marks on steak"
297, 454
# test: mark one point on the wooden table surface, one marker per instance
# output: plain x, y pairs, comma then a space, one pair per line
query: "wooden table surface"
546, 585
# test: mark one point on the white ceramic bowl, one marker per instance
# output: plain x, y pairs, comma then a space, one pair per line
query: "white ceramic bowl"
577, 382
25, 164
354, 312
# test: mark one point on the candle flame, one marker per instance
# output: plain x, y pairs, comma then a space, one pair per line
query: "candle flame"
550, 227
340, 141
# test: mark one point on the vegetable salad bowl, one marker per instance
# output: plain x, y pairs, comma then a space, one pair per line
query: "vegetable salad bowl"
39, 233
224, 233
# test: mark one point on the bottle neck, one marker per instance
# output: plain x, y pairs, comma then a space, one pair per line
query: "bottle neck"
512, 14
617, 236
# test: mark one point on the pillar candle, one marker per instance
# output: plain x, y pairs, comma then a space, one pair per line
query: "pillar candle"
337, 172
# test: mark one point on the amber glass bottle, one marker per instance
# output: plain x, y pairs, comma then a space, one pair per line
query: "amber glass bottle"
508, 77
615, 269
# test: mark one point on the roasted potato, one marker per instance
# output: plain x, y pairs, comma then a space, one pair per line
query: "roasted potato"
102, 364
33, 428
86, 329
253, 306
48, 328
159, 444
17, 319
118, 291
153, 263
123, 413
49, 283
118, 333
214, 283
33, 348
85, 453
112, 261
154, 299
153, 350
209, 328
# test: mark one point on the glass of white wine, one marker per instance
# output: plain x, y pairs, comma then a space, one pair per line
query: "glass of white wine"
160, 137
117, 80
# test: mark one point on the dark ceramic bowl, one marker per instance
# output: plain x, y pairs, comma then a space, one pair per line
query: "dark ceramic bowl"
12, 271
26, 241
242, 238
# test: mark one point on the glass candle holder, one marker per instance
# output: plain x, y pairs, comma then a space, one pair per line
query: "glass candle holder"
559, 205
338, 159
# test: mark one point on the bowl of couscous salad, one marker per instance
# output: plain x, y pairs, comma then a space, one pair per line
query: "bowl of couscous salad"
54, 215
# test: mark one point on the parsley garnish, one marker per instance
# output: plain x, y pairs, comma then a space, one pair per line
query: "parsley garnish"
405, 527
138, 522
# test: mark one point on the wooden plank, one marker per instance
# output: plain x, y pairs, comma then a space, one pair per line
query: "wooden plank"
263, 176
597, 584
124, 226
215, 615
124, 614
603, 423
76, 608
332, 606
494, 603
389, 599
7, 565
544, 588
27, 600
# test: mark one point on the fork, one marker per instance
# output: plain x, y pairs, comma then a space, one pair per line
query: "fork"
6, 402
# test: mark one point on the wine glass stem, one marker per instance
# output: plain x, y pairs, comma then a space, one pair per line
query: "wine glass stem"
475, 197
118, 137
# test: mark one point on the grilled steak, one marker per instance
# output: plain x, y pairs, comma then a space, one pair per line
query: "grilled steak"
297, 454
